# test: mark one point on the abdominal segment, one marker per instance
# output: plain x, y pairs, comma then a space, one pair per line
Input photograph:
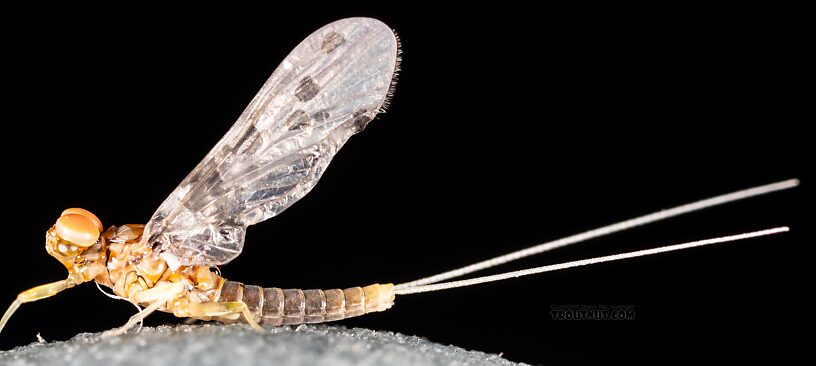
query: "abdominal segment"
277, 306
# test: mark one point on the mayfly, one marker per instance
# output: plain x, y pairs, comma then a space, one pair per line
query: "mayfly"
326, 90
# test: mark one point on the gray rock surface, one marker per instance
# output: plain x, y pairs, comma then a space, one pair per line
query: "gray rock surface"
214, 344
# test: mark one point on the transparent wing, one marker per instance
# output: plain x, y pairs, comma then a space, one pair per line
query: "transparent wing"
327, 89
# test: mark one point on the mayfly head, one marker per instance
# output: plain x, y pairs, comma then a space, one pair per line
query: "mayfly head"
76, 241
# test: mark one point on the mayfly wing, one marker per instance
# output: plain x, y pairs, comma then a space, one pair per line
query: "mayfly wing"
327, 89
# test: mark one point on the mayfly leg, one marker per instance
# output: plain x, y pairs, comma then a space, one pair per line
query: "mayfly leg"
157, 297
232, 310
37, 293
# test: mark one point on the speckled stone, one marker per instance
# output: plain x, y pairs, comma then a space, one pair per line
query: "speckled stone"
213, 344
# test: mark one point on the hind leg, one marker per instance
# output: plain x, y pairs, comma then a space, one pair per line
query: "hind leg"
230, 310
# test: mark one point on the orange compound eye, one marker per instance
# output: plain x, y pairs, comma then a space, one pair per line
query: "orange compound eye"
86, 213
78, 229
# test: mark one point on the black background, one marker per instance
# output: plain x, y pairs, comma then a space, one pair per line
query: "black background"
509, 127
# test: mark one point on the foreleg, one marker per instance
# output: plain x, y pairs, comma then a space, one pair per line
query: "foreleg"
157, 297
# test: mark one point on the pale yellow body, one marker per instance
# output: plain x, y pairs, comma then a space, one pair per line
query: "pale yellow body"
121, 260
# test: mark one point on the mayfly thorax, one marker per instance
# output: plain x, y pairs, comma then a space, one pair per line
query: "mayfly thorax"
327, 89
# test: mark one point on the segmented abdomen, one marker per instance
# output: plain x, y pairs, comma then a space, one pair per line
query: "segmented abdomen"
294, 306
